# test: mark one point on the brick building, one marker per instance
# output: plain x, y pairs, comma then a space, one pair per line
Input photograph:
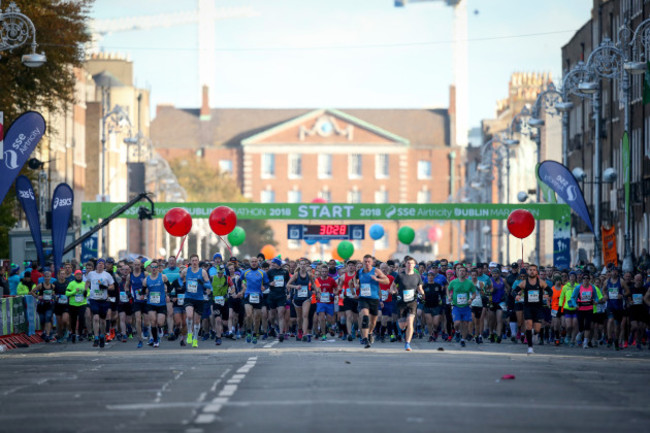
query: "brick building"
606, 20
341, 156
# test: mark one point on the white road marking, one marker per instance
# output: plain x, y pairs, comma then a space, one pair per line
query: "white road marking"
271, 344
201, 397
233, 381
194, 430
212, 408
238, 376
220, 400
165, 386
228, 391
148, 406
204, 419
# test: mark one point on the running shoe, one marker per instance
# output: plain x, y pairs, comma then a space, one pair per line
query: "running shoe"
366, 343
281, 338
218, 341
393, 338
308, 338
238, 336
265, 336
189, 338
249, 338
95, 343
124, 339
530, 351
205, 337
431, 340
479, 339
350, 337
156, 344
150, 342
407, 347
323, 338
102, 341
499, 340
304, 338
254, 339
371, 338
462, 343
195, 342
74, 338
299, 336
183, 342
145, 333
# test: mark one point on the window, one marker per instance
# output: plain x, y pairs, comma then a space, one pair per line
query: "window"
268, 165
382, 244
424, 169
381, 166
268, 196
294, 196
325, 166
294, 244
381, 196
326, 195
424, 196
295, 166
225, 166
354, 196
354, 166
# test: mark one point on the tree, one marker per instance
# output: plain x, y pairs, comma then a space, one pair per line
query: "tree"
61, 32
205, 183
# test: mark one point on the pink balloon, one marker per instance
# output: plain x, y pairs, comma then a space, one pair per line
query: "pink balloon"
319, 200
435, 234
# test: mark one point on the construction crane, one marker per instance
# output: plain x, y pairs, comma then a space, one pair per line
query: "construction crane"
205, 15
460, 71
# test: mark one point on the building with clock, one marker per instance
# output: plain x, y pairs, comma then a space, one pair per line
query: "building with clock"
336, 155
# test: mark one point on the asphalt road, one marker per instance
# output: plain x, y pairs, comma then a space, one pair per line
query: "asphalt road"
322, 387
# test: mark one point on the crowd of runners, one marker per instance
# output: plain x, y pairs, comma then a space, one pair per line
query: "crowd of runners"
192, 301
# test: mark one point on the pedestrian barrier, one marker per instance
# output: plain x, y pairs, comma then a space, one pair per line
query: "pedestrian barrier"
18, 322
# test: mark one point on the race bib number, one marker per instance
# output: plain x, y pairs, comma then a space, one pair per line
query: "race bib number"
79, 297
63, 299
98, 293
47, 297
220, 300
409, 295
124, 298
180, 299
601, 308
154, 298
325, 297
461, 298
553, 313
266, 291
206, 297
348, 293
365, 290
111, 299
637, 298
503, 306
477, 302
585, 296
254, 298
303, 291
533, 296
613, 294
384, 295
278, 281
192, 286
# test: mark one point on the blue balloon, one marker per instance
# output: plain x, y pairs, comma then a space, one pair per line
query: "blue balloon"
310, 241
324, 241
376, 231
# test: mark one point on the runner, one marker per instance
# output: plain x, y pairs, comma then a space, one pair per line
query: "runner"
44, 294
61, 307
635, 295
368, 279
76, 292
98, 282
277, 297
124, 305
139, 307
462, 293
498, 307
569, 315
434, 293
172, 272
177, 296
254, 281
556, 310
406, 285
236, 311
387, 305
585, 296
477, 305
197, 284
325, 307
350, 294
156, 292
222, 287
533, 291
613, 292
303, 284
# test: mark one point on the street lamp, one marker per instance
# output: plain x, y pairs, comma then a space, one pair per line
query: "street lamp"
15, 30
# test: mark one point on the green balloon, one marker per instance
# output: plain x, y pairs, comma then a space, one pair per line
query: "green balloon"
345, 249
237, 236
406, 235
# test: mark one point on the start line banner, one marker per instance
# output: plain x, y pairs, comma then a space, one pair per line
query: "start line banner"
93, 211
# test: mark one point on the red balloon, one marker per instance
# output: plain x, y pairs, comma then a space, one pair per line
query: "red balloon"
223, 220
177, 222
435, 233
319, 200
521, 223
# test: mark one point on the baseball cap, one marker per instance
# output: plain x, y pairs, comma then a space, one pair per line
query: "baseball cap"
492, 265
277, 261
217, 255
78, 272
147, 263
101, 261
233, 259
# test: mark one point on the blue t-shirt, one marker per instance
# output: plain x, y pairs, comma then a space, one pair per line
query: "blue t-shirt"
172, 274
14, 280
368, 288
136, 286
156, 289
255, 279
194, 284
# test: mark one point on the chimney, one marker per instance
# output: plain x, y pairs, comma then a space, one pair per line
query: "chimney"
205, 105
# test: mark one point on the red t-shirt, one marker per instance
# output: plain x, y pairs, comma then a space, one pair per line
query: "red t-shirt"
328, 288
386, 296
347, 291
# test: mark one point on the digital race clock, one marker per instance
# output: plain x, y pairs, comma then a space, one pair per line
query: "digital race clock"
326, 231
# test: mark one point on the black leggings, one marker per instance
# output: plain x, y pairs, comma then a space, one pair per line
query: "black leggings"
77, 312
312, 310
584, 320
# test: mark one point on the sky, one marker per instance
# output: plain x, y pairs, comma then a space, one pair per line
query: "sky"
344, 53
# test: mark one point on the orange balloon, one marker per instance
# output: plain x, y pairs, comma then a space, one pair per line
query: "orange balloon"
335, 255
269, 251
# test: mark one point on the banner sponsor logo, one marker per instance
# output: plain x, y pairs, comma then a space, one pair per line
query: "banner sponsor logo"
561, 180
609, 245
21, 139
62, 200
25, 193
